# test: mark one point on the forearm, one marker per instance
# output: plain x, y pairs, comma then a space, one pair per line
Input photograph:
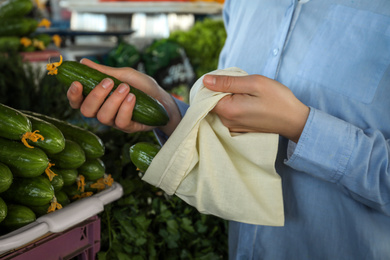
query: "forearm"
339, 152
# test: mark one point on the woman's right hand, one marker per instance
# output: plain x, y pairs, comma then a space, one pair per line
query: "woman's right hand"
117, 109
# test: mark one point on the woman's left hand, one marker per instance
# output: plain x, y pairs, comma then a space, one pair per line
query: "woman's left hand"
258, 104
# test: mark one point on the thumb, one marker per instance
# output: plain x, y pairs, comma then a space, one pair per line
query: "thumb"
96, 66
227, 84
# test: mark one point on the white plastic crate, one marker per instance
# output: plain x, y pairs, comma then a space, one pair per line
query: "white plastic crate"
60, 220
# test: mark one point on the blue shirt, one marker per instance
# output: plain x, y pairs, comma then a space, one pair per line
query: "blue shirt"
334, 55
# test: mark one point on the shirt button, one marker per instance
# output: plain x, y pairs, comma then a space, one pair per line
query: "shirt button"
275, 51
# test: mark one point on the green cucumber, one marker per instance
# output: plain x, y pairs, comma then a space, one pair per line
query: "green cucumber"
3, 210
23, 161
71, 191
9, 43
147, 110
40, 210
20, 26
54, 140
6, 177
92, 169
62, 198
71, 157
57, 182
43, 37
13, 123
15, 8
69, 176
17, 217
92, 145
36, 191
142, 154
88, 187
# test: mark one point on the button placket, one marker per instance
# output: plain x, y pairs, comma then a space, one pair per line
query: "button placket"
275, 53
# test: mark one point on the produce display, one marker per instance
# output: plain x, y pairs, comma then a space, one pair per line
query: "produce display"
15, 8
44, 174
91, 144
147, 110
144, 223
18, 31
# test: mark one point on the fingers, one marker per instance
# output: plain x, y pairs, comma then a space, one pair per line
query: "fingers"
125, 112
75, 95
232, 84
107, 113
96, 97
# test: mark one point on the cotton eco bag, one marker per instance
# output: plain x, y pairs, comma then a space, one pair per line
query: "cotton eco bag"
225, 174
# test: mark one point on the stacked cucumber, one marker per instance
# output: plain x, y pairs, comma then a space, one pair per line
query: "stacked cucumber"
45, 164
17, 29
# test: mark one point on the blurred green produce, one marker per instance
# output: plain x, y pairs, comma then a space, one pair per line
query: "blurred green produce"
203, 42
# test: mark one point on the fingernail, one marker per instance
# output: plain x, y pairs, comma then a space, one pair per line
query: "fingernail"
73, 88
122, 88
107, 82
209, 80
130, 97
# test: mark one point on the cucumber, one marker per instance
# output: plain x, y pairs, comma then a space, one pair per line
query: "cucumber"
3, 209
23, 161
92, 145
142, 154
147, 110
71, 157
88, 187
17, 217
62, 198
71, 191
40, 210
44, 38
54, 140
13, 123
36, 191
15, 8
6, 177
9, 43
69, 176
20, 26
92, 169
47, 208
57, 182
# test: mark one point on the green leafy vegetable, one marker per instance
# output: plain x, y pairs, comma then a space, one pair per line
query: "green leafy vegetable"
203, 42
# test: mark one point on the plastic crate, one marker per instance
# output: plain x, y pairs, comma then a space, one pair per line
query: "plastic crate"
71, 216
80, 242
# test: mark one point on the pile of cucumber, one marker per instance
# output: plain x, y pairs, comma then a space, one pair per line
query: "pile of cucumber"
17, 29
47, 173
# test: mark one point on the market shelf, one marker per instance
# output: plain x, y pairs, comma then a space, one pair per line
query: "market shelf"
128, 7
59, 221
81, 241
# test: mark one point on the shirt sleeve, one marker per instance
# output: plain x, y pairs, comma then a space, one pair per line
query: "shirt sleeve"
355, 159
162, 137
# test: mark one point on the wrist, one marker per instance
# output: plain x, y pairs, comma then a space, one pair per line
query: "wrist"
297, 123
173, 113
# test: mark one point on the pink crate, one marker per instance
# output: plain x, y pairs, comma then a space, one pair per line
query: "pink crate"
81, 241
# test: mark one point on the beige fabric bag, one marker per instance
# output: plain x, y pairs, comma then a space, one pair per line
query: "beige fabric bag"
228, 175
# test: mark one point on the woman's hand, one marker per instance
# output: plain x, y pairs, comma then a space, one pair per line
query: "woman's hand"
258, 104
117, 109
